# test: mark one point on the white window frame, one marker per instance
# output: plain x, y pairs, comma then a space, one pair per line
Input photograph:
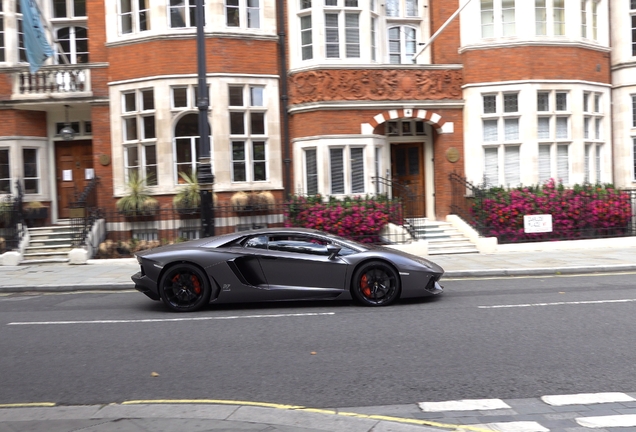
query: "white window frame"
558, 170
139, 18
346, 39
3, 24
193, 142
502, 119
498, 18
550, 18
306, 37
502, 165
73, 53
250, 14
253, 100
634, 158
402, 9
557, 138
6, 180
632, 17
407, 47
70, 10
143, 141
186, 11
333, 173
37, 178
357, 179
311, 171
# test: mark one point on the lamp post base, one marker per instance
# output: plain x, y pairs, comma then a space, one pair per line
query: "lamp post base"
206, 180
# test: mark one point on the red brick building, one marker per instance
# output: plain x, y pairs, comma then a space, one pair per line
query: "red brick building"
313, 96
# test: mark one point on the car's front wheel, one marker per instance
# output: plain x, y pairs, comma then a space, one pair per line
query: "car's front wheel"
184, 288
376, 284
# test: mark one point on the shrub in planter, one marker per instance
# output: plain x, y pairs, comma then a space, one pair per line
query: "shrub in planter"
137, 201
356, 218
251, 201
585, 211
188, 199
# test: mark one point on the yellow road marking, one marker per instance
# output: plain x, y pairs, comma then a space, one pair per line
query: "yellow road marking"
28, 405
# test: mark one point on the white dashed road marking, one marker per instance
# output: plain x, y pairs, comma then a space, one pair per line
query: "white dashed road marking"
464, 405
525, 305
625, 420
154, 320
520, 426
586, 398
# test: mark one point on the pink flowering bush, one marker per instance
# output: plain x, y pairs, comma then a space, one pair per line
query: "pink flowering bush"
358, 218
586, 211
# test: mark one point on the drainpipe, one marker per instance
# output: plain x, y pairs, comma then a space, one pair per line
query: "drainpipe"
280, 6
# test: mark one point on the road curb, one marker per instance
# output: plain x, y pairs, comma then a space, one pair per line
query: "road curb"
547, 271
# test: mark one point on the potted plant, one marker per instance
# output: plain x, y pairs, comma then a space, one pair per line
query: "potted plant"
253, 201
188, 199
240, 201
137, 201
35, 213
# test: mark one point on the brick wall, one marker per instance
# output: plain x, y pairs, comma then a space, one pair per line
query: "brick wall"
173, 57
536, 62
443, 167
100, 117
22, 123
444, 48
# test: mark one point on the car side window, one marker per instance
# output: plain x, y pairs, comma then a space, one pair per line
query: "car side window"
257, 242
298, 244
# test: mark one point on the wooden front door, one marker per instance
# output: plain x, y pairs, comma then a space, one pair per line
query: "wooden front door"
73, 168
407, 166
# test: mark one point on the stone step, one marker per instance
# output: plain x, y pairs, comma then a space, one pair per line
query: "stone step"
50, 241
449, 251
44, 261
47, 253
42, 249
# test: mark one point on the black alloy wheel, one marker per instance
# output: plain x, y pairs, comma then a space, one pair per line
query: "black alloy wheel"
185, 288
376, 284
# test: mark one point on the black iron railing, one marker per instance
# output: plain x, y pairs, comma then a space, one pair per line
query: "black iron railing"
84, 212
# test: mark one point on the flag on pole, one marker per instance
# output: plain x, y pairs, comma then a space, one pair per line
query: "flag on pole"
35, 43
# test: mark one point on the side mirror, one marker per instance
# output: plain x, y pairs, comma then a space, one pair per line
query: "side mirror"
333, 250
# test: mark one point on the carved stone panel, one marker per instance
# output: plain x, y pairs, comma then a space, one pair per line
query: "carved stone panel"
375, 85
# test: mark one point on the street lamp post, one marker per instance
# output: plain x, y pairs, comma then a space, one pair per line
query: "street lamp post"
204, 171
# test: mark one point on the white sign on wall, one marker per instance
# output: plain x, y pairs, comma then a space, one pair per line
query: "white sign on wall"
537, 223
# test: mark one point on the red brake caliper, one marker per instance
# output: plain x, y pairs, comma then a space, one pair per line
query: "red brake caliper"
196, 283
364, 286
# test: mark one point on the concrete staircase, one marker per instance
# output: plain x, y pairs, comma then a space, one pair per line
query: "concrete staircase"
442, 237
49, 244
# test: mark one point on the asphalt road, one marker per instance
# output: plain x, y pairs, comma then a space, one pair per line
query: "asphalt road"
499, 338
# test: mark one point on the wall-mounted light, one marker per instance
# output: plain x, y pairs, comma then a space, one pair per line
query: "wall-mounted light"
67, 133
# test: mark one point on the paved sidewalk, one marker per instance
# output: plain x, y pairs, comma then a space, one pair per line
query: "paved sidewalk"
115, 275
147, 417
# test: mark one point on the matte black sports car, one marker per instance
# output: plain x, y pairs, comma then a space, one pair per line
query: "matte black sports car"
281, 264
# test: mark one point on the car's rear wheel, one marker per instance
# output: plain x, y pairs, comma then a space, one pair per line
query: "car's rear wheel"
184, 288
376, 284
